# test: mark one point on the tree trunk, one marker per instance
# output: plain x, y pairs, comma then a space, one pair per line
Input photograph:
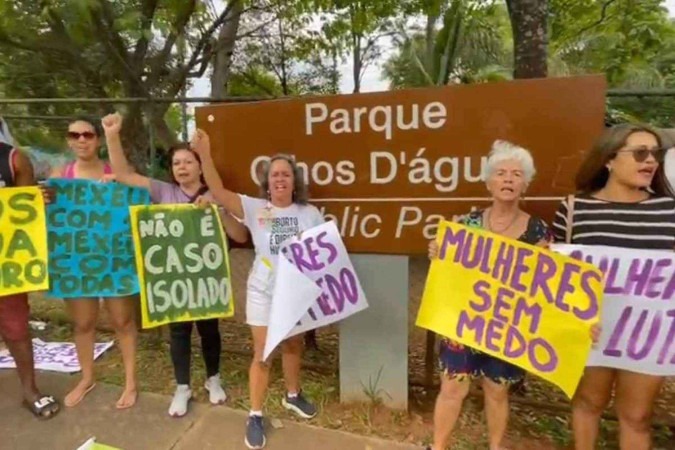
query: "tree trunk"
222, 60
136, 138
530, 38
356, 50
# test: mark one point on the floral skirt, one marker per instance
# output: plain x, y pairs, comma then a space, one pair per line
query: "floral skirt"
460, 362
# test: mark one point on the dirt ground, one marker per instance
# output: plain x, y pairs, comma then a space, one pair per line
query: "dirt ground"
531, 427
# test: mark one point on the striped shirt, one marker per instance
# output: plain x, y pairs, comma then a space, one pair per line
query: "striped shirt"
649, 224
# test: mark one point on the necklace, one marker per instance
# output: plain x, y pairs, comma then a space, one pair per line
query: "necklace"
491, 228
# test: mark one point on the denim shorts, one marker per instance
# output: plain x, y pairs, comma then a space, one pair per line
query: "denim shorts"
461, 362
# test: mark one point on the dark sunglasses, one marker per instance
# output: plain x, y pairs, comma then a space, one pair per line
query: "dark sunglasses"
74, 135
641, 154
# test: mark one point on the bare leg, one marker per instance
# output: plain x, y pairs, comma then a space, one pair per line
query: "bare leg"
259, 372
83, 313
590, 400
291, 359
496, 411
448, 406
635, 395
121, 311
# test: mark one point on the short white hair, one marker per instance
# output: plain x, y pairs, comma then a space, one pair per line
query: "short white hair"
506, 151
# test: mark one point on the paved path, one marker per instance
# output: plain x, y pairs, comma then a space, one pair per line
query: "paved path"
148, 427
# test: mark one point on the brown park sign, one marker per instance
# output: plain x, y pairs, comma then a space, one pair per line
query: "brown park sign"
388, 165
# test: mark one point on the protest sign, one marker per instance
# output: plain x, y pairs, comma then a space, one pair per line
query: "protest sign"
182, 263
318, 258
54, 356
517, 302
91, 251
638, 310
23, 241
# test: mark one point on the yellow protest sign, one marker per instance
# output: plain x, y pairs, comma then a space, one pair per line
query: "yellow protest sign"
517, 302
182, 263
23, 241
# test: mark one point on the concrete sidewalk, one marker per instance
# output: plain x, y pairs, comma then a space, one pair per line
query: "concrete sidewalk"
147, 425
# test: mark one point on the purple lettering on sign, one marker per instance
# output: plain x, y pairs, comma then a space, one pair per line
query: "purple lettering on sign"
492, 334
332, 250
481, 289
336, 290
523, 310
638, 276
653, 289
670, 288
473, 255
521, 268
297, 251
502, 304
452, 239
514, 337
565, 286
547, 366
633, 352
611, 275
593, 300
667, 345
322, 301
348, 281
477, 325
485, 263
503, 262
544, 271
611, 348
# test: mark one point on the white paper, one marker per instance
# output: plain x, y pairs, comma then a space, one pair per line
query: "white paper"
295, 307
53, 356
638, 308
294, 294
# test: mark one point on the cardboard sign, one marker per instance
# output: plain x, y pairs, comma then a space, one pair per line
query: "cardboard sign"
91, 252
23, 241
638, 310
515, 301
315, 285
182, 262
387, 166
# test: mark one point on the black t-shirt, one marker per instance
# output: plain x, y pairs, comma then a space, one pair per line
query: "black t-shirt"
7, 178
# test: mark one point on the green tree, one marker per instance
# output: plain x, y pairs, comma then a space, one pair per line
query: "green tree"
471, 46
100, 48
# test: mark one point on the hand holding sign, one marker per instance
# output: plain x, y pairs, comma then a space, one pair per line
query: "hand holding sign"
514, 301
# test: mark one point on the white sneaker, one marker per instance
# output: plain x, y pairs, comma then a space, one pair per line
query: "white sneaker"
179, 404
217, 395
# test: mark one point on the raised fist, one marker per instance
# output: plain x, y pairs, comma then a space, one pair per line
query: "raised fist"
200, 143
112, 123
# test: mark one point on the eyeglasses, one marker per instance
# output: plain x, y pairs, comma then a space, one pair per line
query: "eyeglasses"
74, 135
640, 154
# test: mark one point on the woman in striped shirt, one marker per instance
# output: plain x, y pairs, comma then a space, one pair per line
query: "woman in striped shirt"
623, 200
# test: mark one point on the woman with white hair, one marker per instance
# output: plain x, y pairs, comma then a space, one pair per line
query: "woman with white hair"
507, 174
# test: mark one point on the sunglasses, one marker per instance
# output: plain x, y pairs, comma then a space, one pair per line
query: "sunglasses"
74, 135
641, 154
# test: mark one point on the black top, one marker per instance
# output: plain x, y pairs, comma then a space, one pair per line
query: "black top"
6, 165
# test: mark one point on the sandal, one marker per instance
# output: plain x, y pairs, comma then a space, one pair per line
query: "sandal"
44, 407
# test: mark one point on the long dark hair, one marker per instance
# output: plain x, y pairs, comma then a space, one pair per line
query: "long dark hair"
299, 188
172, 152
593, 173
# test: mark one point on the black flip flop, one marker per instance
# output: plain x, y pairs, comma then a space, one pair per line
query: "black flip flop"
44, 407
